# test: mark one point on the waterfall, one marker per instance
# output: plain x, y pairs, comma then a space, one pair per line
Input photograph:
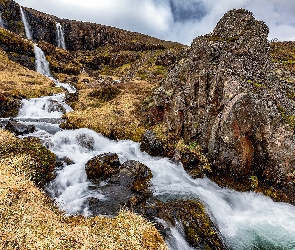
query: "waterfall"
42, 65
44, 107
26, 24
60, 36
1, 20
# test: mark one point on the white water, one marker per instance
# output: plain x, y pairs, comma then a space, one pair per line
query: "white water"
60, 36
42, 66
246, 220
45, 107
26, 24
41, 63
1, 20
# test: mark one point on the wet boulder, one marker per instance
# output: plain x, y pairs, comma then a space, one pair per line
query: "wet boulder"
18, 128
134, 175
54, 106
102, 167
151, 144
190, 219
127, 186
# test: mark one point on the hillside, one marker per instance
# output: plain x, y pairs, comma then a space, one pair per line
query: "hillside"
223, 107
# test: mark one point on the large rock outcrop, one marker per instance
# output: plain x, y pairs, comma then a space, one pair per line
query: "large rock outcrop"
227, 96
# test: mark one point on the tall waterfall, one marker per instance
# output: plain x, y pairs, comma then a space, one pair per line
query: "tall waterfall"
60, 36
1, 20
26, 24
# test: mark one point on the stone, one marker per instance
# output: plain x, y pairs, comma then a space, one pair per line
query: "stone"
151, 144
190, 217
18, 128
102, 167
127, 186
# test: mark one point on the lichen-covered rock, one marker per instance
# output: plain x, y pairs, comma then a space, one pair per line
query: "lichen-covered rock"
103, 166
9, 105
151, 144
227, 97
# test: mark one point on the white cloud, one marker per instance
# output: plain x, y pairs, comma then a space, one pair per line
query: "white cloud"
155, 17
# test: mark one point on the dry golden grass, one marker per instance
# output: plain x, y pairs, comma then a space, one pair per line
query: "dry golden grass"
120, 117
29, 220
20, 81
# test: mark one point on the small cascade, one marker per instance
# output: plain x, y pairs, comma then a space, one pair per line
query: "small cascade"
1, 20
42, 65
26, 24
44, 107
60, 36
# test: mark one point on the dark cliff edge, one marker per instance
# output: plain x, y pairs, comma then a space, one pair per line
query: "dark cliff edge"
230, 99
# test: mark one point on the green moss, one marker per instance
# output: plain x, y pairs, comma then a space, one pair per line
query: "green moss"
289, 119
41, 169
291, 95
254, 182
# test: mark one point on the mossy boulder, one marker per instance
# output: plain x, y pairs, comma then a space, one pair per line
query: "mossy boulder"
190, 218
102, 166
9, 105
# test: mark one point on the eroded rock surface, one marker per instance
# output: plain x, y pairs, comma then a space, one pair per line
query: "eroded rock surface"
227, 97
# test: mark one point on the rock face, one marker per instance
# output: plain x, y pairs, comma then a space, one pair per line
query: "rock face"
78, 35
227, 97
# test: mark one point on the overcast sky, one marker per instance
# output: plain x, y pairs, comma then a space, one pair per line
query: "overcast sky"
175, 20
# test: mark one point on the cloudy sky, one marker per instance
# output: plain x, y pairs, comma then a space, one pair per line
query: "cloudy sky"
176, 20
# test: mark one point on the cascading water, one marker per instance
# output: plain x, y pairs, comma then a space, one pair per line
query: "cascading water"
1, 20
60, 36
41, 64
26, 24
245, 220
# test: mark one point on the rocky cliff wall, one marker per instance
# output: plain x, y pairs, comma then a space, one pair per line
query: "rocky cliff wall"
78, 35
227, 96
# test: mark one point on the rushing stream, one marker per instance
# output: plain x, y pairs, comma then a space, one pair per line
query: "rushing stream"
245, 220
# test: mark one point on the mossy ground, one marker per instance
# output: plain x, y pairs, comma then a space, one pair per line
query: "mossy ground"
29, 220
113, 111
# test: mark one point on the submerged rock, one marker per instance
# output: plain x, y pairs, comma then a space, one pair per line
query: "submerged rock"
18, 128
190, 219
226, 97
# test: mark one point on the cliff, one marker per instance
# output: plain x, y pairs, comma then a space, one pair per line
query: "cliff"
228, 97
